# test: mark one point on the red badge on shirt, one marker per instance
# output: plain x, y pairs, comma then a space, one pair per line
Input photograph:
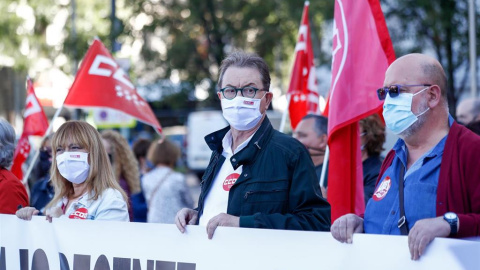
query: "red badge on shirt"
80, 213
382, 189
229, 181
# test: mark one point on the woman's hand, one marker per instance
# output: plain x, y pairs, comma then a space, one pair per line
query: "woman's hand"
53, 212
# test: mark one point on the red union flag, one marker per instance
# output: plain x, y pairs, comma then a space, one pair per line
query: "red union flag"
101, 82
21, 154
303, 89
34, 123
362, 51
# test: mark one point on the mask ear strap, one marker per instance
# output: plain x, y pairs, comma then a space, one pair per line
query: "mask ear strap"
423, 112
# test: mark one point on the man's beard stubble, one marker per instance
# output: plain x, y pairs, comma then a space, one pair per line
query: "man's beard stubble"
415, 127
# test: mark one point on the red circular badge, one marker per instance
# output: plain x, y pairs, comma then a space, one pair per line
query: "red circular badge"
382, 189
80, 213
229, 181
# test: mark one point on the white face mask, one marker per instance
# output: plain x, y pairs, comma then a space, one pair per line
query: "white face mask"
242, 113
73, 166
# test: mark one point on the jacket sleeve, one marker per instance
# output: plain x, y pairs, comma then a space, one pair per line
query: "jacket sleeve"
307, 210
112, 207
12, 195
467, 203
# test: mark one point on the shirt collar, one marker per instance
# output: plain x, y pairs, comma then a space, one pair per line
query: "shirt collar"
227, 143
401, 150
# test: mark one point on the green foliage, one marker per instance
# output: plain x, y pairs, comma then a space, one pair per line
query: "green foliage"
198, 33
416, 25
92, 19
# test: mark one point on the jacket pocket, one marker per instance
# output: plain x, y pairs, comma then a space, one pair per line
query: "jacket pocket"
276, 195
265, 197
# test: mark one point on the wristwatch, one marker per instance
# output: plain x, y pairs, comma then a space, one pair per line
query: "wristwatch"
452, 219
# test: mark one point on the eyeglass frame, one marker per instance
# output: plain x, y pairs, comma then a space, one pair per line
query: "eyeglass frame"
396, 93
241, 90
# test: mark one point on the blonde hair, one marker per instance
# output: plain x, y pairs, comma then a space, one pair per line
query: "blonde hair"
163, 152
124, 162
100, 177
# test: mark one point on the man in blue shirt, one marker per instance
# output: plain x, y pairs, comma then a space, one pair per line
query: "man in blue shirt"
416, 109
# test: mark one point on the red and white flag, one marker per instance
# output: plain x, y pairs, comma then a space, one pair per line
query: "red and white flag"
34, 123
101, 82
303, 89
362, 51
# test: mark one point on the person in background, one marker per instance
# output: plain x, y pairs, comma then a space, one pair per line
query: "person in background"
125, 166
372, 137
138, 202
165, 190
140, 149
311, 131
42, 191
434, 164
257, 177
474, 126
468, 111
12, 191
83, 180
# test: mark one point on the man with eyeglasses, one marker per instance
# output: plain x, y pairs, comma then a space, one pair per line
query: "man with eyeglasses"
435, 159
257, 176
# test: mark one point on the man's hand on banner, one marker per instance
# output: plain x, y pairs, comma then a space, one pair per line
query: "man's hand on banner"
423, 232
221, 220
185, 217
345, 226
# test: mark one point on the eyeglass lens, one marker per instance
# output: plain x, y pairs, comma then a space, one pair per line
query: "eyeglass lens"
392, 90
230, 92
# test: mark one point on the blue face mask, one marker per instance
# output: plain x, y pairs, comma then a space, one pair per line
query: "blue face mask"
397, 112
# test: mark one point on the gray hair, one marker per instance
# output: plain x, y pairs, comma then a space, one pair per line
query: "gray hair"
321, 123
250, 60
7, 143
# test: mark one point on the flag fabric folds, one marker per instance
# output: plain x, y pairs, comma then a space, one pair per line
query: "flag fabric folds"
303, 88
34, 123
361, 53
101, 82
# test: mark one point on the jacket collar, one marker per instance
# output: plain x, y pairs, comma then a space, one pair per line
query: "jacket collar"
248, 154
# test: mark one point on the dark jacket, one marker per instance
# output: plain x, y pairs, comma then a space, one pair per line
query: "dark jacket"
42, 193
278, 188
458, 188
371, 168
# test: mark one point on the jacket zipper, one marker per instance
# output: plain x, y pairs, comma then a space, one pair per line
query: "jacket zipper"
248, 193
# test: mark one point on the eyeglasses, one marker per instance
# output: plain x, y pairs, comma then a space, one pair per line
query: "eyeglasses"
394, 90
230, 92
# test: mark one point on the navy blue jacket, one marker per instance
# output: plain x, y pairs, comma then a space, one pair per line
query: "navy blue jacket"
42, 193
278, 188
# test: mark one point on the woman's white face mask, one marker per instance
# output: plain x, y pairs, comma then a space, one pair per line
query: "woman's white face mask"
73, 166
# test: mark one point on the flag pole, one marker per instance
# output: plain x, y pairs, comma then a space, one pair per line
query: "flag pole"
284, 115
35, 157
325, 165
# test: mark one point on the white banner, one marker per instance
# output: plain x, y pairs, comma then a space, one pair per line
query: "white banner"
98, 245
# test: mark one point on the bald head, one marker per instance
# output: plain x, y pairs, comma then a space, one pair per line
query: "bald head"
468, 110
417, 68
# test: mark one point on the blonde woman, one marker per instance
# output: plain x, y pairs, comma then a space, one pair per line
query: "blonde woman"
125, 165
85, 187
